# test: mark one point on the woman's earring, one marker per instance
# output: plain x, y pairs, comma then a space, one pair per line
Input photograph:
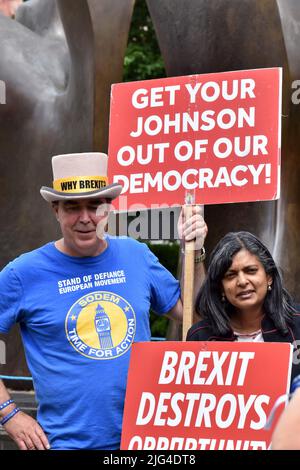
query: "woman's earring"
223, 298
269, 287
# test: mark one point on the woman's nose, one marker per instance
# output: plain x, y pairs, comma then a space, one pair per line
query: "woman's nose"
242, 279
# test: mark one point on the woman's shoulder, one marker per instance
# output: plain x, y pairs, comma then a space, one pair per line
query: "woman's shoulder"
297, 308
200, 331
296, 315
294, 325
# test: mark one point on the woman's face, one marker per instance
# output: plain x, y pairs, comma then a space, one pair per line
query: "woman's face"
245, 284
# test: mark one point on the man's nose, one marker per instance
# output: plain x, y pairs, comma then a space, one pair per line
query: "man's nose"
84, 216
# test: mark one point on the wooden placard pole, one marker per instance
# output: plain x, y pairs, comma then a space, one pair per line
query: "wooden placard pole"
188, 284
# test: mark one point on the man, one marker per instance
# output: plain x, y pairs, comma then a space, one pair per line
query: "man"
286, 435
81, 302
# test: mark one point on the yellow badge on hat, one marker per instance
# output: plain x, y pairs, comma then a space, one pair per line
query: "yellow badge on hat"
80, 184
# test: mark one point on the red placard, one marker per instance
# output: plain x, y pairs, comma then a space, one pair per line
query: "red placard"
203, 395
215, 135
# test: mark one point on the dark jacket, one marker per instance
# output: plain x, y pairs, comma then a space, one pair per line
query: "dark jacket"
201, 331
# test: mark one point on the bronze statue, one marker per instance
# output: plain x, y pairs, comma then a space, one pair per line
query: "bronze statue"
57, 61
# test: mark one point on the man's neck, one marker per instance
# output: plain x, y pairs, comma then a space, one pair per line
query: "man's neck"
77, 253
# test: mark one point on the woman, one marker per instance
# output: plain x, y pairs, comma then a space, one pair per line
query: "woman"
242, 297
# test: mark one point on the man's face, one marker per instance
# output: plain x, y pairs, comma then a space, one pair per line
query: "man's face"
78, 221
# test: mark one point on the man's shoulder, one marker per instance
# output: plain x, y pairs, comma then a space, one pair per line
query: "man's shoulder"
127, 242
26, 259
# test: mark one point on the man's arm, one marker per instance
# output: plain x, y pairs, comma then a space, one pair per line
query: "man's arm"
287, 432
23, 429
193, 229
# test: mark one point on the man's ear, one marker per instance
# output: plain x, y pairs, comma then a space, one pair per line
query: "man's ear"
55, 209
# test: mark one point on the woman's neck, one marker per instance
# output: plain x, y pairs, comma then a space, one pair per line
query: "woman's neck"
246, 322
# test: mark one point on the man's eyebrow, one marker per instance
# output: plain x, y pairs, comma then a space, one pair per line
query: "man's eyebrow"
97, 202
70, 203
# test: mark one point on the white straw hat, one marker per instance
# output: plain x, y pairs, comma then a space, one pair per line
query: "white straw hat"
78, 176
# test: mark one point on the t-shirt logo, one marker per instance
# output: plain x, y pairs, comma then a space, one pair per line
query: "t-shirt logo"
101, 325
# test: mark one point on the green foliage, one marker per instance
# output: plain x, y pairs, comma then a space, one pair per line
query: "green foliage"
158, 325
167, 253
143, 59
168, 257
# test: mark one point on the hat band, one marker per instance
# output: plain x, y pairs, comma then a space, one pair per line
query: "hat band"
79, 184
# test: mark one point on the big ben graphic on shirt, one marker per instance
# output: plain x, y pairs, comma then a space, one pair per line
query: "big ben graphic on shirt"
103, 328
101, 325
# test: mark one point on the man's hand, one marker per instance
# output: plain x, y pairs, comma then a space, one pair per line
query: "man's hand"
194, 228
26, 432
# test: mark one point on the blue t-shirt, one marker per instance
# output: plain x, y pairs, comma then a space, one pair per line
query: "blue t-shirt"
78, 319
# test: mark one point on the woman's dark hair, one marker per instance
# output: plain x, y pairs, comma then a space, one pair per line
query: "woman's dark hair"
277, 304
